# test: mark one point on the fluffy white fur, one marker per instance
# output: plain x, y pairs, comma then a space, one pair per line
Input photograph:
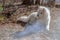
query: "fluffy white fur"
37, 25
48, 15
34, 14
26, 18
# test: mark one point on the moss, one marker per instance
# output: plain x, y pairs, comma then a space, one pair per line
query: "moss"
0, 4
1, 8
1, 17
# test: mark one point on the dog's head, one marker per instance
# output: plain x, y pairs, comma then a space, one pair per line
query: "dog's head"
44, 15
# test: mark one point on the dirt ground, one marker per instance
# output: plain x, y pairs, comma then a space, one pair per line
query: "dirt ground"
53, 34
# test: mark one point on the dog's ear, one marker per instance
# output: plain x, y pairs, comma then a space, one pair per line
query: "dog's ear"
41, 11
